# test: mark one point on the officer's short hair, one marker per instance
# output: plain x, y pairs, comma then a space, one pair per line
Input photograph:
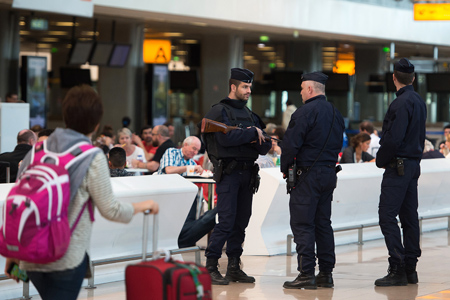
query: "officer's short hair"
233, 81
117, 157
447, 126
318, 87
404, 78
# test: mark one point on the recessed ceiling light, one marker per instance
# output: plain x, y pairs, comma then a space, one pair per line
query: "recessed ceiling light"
57, 33
201, 24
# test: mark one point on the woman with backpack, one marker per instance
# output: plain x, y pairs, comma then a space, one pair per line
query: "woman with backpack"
90, 187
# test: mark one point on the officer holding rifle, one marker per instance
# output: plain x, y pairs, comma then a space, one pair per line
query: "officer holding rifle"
233, 155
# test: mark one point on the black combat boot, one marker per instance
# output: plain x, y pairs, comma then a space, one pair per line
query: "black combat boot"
411, 274
324, 279
234, 272
216, 277
303, 281
396, 277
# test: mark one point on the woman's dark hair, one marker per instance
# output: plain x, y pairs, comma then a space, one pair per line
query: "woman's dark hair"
82, 109
359, 138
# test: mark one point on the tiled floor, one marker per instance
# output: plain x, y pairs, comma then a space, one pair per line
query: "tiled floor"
357, 268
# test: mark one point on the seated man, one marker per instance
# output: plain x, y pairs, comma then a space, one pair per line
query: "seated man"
175, 161
145, 142
117, 162
25, 141
160, 139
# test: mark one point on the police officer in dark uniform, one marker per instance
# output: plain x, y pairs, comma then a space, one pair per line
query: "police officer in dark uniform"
312, 143
233, 155
402, 144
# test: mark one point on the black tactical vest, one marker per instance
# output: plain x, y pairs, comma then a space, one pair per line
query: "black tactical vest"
241, 117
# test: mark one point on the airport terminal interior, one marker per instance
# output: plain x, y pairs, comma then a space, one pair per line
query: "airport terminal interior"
170, 61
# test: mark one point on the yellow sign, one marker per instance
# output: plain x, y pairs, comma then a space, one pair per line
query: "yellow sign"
344, 67
432, 11
157, 51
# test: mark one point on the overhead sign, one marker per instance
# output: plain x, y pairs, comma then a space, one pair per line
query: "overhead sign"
432, 11
82, 8
157, 51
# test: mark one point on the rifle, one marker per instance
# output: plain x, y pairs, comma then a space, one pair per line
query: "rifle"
209, 126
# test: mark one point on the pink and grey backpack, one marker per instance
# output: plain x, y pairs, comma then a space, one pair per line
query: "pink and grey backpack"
35, 214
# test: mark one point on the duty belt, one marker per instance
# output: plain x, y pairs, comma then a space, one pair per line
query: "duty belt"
244, 165
304, 169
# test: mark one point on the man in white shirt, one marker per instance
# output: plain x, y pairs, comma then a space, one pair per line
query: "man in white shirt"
367, 127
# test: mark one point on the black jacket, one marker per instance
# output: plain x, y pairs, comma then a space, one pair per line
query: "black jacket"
13, 158
403, 133
307, 133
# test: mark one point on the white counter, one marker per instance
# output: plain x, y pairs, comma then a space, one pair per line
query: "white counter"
355, 202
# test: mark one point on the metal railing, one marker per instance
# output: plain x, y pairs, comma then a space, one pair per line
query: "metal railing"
360, 228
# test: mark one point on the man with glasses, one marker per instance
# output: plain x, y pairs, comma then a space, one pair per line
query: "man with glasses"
161, 139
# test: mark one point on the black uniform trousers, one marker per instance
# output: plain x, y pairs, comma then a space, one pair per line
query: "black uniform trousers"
310, 210
234, 207
399, 197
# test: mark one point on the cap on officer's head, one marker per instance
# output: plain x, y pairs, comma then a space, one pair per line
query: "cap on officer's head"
404, 66
315, 76
243, 75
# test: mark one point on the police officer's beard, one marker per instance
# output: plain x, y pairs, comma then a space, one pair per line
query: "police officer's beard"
241, 97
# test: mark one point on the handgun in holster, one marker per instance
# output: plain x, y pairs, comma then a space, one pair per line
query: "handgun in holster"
255, 179
218, 170
400, 167
399, 164
291, 180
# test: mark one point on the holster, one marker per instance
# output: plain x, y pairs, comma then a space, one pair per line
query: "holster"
292, 178
399, 164
218, 170
255, 179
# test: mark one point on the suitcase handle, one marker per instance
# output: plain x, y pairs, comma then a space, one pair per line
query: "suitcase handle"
145, 234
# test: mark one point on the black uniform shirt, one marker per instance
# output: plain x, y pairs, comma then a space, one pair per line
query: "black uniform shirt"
307, 132
403, 133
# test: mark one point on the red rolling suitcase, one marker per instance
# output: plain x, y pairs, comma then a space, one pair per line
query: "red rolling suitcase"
165, 278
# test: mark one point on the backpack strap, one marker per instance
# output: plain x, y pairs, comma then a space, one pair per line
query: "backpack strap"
84, 149
88, 203
70, 156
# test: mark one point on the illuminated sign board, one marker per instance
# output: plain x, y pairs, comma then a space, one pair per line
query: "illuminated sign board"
157, 51
431, 11
38, 24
